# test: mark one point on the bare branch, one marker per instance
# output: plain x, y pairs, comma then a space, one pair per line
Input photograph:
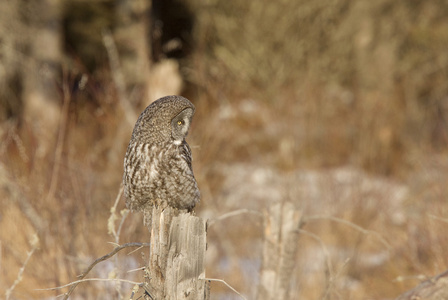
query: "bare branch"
352, 225
116, 232
113, 217
60, 140
134, 270
234, 213
35, 243
330, 274
107, 256
445, 220
420, 277
431, 289
114, 62
324, 249
124, 214
228, 285
75, 283
143, 245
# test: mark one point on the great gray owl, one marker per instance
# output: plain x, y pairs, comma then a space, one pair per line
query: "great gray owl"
157, 165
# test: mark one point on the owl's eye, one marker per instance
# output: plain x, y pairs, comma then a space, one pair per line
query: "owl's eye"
180, 122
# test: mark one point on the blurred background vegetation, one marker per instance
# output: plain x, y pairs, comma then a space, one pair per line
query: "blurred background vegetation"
340, 106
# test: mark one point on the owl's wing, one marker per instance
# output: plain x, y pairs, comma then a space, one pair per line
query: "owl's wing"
185, 153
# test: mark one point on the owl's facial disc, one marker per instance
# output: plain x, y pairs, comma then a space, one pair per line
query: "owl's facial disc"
180, 125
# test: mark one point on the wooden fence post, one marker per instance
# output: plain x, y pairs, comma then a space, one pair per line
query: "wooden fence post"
281, 231
176, 265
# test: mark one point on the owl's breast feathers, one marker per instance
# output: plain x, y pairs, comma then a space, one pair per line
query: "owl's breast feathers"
185, 153
164, 175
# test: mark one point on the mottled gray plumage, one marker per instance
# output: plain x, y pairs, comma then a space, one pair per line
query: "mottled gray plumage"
157, 165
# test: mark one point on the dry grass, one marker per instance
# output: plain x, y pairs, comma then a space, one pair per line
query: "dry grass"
364, 81
294, 99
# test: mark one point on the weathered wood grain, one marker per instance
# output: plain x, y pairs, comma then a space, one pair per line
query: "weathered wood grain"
176, 265
279, 250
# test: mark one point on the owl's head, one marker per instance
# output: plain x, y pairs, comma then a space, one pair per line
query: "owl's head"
166, 119
180, 125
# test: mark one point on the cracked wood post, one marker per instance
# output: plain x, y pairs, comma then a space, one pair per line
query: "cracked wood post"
281, 232
176, 265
